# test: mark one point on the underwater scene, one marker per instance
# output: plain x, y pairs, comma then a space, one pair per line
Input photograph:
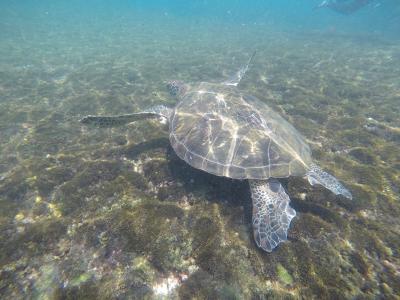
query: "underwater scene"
200, 149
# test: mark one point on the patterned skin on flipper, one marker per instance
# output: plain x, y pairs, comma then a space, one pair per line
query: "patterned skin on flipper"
271, 213
115, 121
318, 176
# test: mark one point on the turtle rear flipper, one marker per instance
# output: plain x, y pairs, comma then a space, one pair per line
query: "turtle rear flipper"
271, 213
237, 77
318, 176
115, 121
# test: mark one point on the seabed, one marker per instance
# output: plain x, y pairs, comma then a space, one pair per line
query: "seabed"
102, 214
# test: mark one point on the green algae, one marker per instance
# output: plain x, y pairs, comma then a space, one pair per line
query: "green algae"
359, 261
81, 279
364, 155
284, 275
46, 284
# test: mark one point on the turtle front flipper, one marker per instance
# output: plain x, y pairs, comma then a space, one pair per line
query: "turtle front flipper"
271, 213
115, 121
318, 176
235, 79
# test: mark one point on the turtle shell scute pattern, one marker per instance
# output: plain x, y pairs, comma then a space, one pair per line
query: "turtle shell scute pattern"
222, 131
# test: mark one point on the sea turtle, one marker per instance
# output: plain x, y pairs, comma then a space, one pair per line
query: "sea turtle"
218, 129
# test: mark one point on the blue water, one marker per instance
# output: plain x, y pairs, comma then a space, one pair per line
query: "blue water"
114, 213
381, 17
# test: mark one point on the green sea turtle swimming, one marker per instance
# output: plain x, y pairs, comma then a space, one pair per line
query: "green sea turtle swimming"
218, 129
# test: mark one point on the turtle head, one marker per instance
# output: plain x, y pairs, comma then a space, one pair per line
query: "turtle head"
177, 88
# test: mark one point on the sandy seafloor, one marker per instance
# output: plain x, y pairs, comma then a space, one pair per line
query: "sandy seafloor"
114, 214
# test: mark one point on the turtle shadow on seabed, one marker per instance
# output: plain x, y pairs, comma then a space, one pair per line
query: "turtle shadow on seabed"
198, 185
213, 188
193, 185
230, 195
194, 181
132, 151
